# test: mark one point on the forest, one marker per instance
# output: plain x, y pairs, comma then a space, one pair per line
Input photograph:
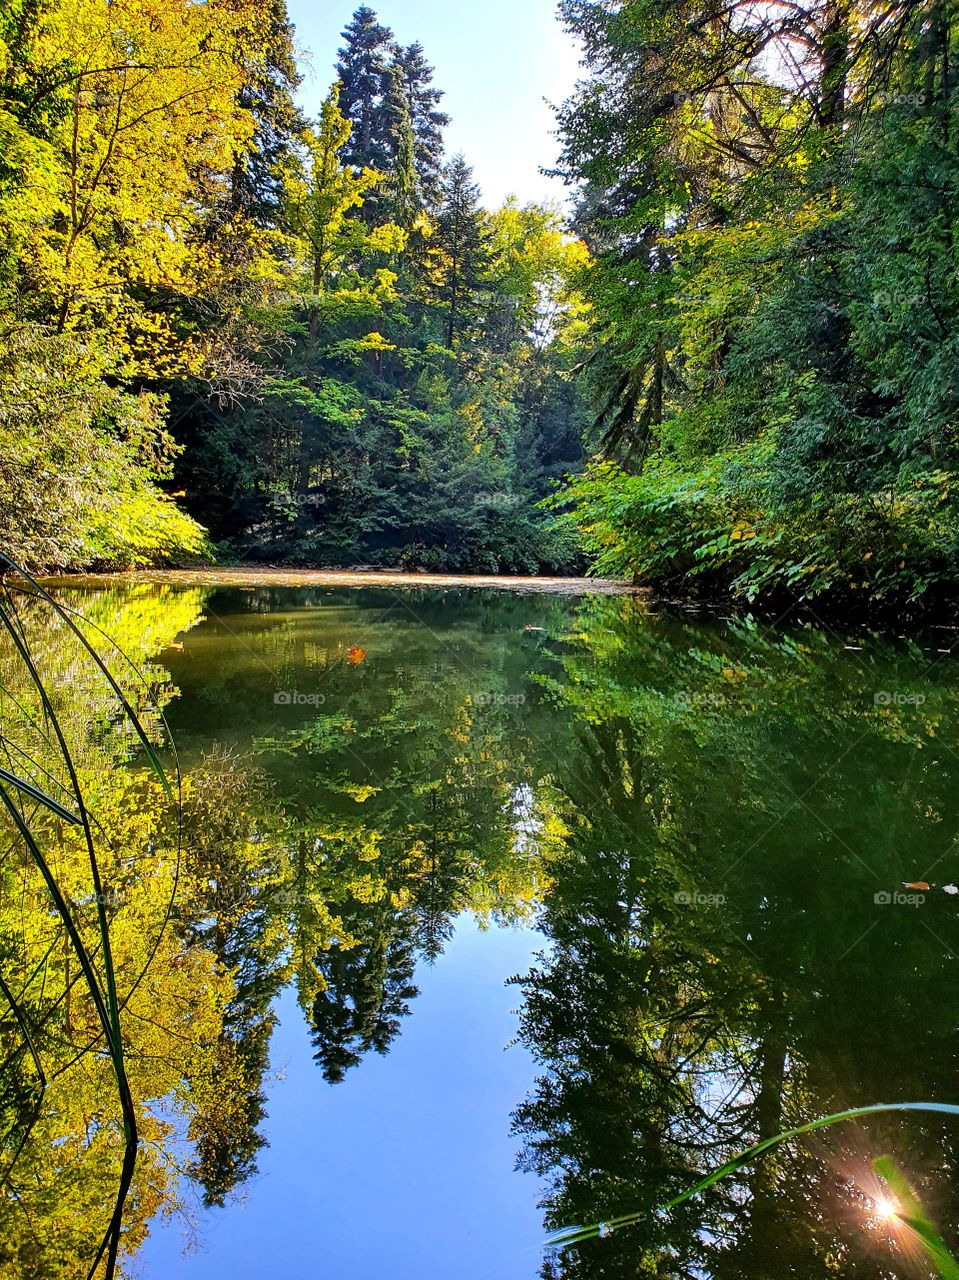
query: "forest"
464, 807
234, 334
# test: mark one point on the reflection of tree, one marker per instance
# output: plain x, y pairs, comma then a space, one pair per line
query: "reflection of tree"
411, 824
364, 993
671, 1034
651, 759
171, 995
398, 814
62, 1137
231, 832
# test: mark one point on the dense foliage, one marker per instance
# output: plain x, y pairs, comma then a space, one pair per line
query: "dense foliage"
312, 331
270, 338
769, 192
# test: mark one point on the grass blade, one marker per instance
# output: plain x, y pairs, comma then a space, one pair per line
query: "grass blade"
912, 1214
567, 1236
35, 793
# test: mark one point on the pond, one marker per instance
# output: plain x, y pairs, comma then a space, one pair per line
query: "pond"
465, 915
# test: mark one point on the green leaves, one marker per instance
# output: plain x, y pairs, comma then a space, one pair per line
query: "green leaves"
775, 267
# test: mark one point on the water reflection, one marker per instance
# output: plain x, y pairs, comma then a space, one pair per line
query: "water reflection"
725, 961
709, 822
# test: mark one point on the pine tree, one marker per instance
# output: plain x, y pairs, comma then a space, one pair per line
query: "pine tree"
270, 83
364, 74
427, 120
403, 189
461, 237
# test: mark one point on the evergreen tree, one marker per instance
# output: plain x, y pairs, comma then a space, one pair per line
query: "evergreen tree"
315, 335
462, 239
364, 75
427, 120
270, 83
403, 189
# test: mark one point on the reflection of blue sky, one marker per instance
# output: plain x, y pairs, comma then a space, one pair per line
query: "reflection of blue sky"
497, 61
404, 1170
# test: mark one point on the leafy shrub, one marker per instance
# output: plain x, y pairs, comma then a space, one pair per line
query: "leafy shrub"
80, 463
718, 524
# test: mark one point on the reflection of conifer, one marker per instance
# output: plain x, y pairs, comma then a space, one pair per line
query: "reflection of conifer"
366, 994
442, 885
234, 922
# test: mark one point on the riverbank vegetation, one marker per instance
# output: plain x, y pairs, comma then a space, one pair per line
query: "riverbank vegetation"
771, 202
231, 330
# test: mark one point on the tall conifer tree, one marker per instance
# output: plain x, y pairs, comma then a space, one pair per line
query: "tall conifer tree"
403, 191
461, 237
427, 119
364, 74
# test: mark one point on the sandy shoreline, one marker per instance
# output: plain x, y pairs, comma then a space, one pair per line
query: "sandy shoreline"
242, 578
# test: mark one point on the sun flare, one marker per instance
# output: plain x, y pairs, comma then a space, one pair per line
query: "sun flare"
885, 1208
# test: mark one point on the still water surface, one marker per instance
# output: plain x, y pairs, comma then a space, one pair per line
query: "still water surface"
494, 913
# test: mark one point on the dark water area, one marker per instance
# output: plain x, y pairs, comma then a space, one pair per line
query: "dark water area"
481, 914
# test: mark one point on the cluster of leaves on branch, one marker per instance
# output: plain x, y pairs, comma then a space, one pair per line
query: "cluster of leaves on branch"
120, 125
310, 330
769, 192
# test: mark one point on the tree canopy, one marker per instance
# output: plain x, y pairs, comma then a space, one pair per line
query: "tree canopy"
270, 337
308, 341
768, 194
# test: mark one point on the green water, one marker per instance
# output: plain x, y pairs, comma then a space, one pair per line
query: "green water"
690, 835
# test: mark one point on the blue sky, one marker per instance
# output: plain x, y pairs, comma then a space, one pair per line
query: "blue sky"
497, 61
407, 1168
